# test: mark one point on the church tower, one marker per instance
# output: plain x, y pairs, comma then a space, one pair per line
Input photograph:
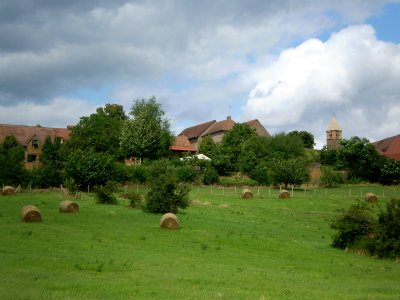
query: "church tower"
333, 134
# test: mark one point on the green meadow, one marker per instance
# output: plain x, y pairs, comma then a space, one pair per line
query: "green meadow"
226, 248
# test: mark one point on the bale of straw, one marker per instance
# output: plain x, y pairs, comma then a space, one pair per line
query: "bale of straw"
68, 206
371, 197
30, 213
8, 190
169, 221
247, 194
284, 194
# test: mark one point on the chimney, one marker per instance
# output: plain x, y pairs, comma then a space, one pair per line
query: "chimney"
228, 118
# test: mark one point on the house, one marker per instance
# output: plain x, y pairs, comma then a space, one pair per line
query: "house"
216, 130
181, 145
32, 139
389, 147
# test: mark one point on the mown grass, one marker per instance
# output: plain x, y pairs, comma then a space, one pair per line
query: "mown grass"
226, 248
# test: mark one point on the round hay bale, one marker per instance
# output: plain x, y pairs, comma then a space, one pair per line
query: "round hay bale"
284, 194
169, 221
8, 190
371, 197
30, 213
247, 194
68, 206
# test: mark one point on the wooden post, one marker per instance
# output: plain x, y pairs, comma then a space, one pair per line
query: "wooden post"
223, 191
292, 191
258, 191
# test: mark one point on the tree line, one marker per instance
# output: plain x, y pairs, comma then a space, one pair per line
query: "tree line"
99, 143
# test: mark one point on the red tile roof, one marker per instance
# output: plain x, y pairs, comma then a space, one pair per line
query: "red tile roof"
182, 143
24, 134
196, 131
389, 147
224, 125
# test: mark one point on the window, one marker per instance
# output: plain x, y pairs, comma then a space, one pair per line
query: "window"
35, 143
31, 157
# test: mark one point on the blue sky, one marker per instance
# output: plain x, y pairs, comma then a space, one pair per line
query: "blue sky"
291, 64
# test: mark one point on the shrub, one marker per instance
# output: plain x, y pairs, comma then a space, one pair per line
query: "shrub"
260, 174
353, 225
165, 195
330, 177
105, 194
185, 173
135, 200
210, 176
387, 241
138, 173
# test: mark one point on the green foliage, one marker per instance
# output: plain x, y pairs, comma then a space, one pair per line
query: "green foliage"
135, 200
137, 173
353, 225
387, 240
328, 156
284, 146
261, 174
330, 177
99, 132
252, 152
165, 194
207, 146
289, 171
360, 159
146, 134
105, 194
210, 176
186, 173
306, 137
90, 168
12, 157
390, 171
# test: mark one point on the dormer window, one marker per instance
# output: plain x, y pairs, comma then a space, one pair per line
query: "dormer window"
35, 143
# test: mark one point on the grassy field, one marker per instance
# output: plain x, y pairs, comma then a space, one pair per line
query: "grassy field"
226, 248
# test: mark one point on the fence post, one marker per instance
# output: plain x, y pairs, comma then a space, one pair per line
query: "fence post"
258, 191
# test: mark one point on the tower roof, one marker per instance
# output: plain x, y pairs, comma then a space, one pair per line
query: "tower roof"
334, 125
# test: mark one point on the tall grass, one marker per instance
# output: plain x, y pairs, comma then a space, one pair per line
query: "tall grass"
226, 248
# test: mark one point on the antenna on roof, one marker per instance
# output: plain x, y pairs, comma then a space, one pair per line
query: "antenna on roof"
230, 111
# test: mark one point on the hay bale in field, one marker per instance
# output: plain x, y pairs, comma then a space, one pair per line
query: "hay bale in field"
284, 194
371, 197
68, 206
30, 213
8, 190
169, 221
247, 194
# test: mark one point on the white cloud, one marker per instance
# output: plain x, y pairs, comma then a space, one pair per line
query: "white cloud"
352, 74
60, 112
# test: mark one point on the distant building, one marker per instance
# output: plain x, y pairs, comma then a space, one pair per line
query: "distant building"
32, 139
389, 147
216, 130
333, 134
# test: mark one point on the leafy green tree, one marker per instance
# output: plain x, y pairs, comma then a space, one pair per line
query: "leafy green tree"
12, 157
50, 172
207, 146
390, 171
284, 146
359, 158
100, 131
89, 168
330, 177
252, 152
328, 157
146, 134
289, 171
165, 194
306, 137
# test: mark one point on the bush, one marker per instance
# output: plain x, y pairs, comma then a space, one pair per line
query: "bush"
330, 177
165, 195
353, 225
105, 194
210, 176
260, 174
135, 200
387, 241
137, 173
185, 173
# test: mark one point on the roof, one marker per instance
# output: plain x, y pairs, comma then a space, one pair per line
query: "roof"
224, 125
181, 143
334, 125
197, 130
24, 134
260, 129
389, 147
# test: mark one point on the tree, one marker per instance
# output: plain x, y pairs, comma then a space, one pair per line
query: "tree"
207, 146
330, 177
390, 171
289, 171
252, 152
359, 158
306, 137
165, 195
88, 168
12, 157
146, 134
100, 131
284, 146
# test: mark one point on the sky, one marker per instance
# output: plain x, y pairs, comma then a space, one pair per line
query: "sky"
292, 64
